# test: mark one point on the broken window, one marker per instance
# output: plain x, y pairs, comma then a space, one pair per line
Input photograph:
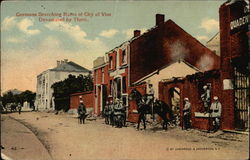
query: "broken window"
110, 62
124, 85
124, 57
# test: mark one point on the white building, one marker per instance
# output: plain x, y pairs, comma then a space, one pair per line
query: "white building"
44, 92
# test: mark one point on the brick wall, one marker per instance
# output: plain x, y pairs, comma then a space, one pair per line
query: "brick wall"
87, 99
233, 44
133, 116
192, 87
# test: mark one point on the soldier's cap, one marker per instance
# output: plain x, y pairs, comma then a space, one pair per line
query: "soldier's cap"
216, 98
186, 99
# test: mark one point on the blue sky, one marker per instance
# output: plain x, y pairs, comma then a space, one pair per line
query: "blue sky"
29, 46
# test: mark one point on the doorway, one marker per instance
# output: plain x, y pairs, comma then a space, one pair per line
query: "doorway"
174, 94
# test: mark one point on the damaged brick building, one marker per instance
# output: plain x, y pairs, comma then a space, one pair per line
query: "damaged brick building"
150, 53
230, 83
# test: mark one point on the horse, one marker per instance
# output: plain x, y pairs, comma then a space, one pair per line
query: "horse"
158, 107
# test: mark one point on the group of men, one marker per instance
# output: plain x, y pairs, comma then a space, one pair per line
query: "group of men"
115, 113
214, 110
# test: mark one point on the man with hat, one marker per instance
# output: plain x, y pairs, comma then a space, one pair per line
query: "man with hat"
186, 114
118, 113
215, 111
81, 111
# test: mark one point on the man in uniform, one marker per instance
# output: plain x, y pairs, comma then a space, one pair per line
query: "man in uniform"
81, 112
186, 114
206, 98
118, 112
19, 107
111, 113
215, 110
106, 112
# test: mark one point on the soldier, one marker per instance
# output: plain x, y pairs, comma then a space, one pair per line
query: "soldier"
106, 112
81, 112
111, 113
206, 98
215, 110
19, 108
118, 113
186, 114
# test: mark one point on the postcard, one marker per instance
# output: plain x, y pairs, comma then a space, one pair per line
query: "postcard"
125, 80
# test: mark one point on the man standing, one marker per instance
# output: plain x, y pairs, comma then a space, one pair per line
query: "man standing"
81, 112
19, 107
186, 114
215, 110
111, 113
206, 98
119, 113
106, 112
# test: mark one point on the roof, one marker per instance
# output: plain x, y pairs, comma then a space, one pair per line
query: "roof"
158, 70
213, 37
70, 67
81, 93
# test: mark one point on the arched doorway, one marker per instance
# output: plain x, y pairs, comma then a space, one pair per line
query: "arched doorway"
174, 95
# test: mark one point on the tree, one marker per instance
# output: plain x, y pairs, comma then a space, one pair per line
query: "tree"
27, 95
72, 84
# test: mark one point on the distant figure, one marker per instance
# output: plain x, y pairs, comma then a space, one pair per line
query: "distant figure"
205, 97
81, 112
215, 110
111, 113
19, 107
106, 112
186, 114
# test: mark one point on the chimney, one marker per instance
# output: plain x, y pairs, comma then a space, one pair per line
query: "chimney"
62, 61
57, 63
159, 19
137, 33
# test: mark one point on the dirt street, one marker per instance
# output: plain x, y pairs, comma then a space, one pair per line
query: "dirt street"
65, 139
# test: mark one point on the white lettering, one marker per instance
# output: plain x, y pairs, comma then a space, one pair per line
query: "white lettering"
239, 22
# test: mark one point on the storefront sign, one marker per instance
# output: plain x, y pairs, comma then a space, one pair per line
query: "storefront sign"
241, 21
